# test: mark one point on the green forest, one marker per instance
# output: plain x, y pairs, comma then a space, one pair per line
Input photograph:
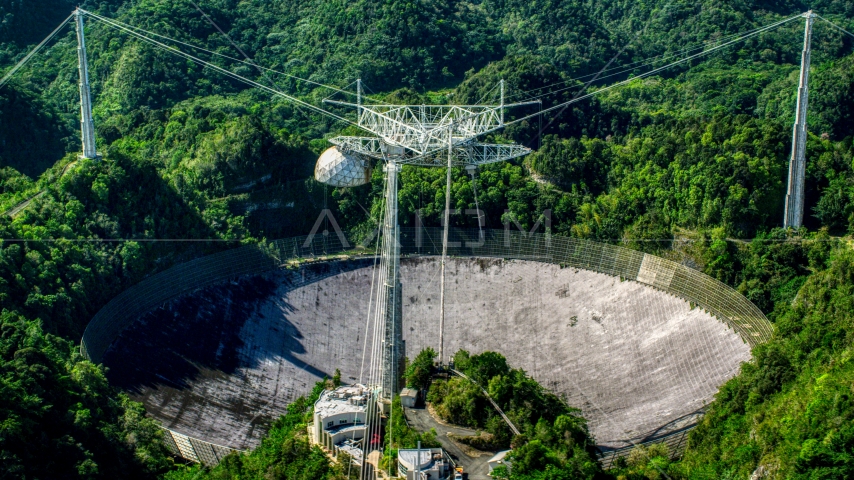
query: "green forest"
553, 443
689, 164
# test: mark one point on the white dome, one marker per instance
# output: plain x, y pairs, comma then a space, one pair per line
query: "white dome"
339, 169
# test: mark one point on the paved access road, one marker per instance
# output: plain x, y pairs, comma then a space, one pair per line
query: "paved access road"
476, 468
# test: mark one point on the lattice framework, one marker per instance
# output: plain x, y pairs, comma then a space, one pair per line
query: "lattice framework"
422, 134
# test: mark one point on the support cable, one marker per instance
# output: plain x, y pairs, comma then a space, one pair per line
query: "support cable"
488, 93
596, 77
648, 74
375, 327
141, 31
370, 308
263, 71
627, 81
372, 429
29, 56
472, 170
632, 66
386, 296
688, 58
835, 26
494, 404
333, 93
370, 303
219, 69
246, 56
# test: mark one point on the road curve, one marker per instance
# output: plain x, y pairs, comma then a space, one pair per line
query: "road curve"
421, 420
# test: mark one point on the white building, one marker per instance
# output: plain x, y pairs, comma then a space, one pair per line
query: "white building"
423, 464
339, 419
499, 459
408, 397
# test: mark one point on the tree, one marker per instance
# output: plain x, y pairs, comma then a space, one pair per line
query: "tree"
420, 372
481, 368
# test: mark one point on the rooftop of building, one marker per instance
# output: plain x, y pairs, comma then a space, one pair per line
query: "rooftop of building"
409, 392
499, 457
423, 457
347, 427
345, 399
352, 448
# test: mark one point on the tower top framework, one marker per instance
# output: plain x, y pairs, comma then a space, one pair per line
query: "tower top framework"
421, 134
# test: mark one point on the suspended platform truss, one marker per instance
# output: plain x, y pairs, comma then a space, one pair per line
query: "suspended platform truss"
424, 135
465, 154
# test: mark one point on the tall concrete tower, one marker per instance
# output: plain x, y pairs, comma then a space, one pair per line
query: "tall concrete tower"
87, 127
393, 347
797, 165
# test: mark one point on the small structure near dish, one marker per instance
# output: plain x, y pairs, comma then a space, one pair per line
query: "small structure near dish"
498, 460
339, 420
423, 463
408, 397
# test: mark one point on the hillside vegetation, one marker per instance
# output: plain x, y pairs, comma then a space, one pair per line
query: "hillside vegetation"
554, 442
690, 164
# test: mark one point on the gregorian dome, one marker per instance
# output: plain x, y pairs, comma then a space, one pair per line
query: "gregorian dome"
340, 169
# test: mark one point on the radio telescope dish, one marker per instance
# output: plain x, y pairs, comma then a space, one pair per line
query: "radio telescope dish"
340, 169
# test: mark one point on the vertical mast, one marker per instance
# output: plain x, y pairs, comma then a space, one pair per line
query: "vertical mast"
472, 169
86, 125
447, 219
502, 101
359, 101
797, 164
393, 324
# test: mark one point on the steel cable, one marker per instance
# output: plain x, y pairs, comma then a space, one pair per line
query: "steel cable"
631, 66
235, 76
32, 53
650, 73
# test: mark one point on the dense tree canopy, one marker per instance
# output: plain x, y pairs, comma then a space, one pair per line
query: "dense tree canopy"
554, 440
690, 164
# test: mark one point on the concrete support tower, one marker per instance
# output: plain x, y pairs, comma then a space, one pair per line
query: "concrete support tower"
86, 125
393, 291
447, 223
797, 165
